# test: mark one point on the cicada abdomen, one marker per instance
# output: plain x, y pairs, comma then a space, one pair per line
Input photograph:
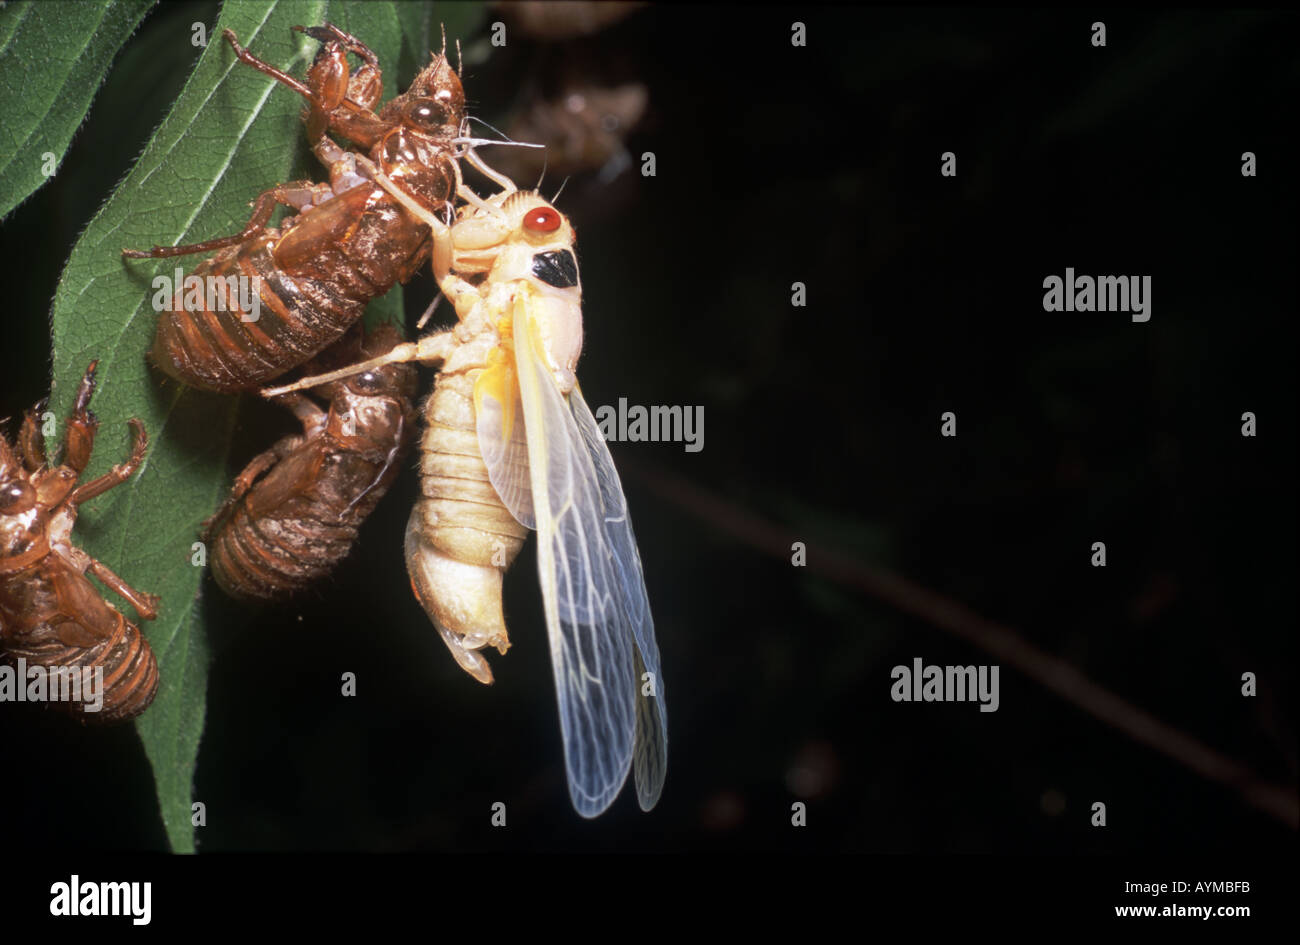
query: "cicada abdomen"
305, 301
129, 670
460, 538
273, 297
296, 509
51, 616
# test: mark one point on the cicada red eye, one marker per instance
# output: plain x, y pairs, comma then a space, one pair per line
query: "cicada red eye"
542, 220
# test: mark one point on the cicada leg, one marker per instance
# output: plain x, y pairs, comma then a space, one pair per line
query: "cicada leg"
295, 194
399, 438
79, 437
146, 605
505, 183
428, 312
119, 473
329, 31
31, 445
266, 68
330, 83
429, 349
256, 468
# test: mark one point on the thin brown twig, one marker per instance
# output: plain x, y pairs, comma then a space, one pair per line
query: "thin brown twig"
1050, 671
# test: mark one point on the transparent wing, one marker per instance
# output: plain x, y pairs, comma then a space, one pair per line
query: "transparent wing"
597, 614
499, 423
651, 754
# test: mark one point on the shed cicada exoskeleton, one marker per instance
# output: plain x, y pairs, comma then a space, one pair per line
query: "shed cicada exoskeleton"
511, 445
349, 240
295, 510
51, 615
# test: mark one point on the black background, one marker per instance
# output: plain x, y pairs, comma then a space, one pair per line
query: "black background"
820, 165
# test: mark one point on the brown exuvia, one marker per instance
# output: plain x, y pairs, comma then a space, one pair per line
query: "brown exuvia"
309, 279
294, 511
51, 615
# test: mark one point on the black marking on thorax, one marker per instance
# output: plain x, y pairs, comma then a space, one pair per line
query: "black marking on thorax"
557, 268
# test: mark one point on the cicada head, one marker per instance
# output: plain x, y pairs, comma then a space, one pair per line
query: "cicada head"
434, 104
377, 404
520, 240
517, 235
398, 379
417, 151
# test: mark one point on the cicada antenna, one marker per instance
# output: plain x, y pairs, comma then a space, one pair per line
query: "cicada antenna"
561, 190
469, 141
489, 126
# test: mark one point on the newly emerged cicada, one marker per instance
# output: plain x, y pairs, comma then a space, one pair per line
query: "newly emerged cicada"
51, 615
295, 510
349, 241
511, 445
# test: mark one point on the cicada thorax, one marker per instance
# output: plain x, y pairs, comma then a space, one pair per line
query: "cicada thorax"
349, 241
51, 615
296, 510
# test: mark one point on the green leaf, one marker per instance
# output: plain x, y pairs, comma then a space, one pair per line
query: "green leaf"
423, 25
231, 133
416, 20
53, 58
